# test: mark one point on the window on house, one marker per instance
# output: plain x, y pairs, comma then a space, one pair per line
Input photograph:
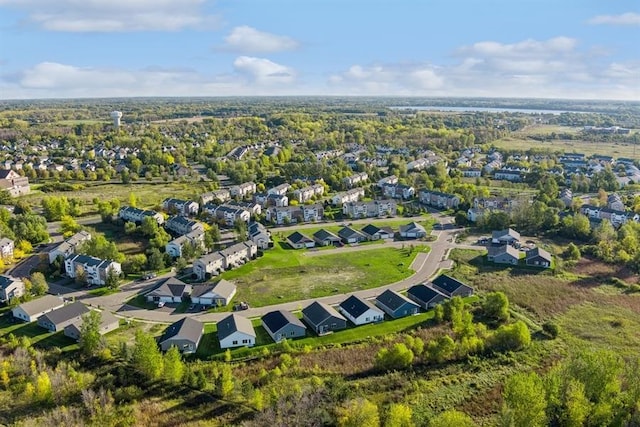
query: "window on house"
245, 341
292, 333
235, 342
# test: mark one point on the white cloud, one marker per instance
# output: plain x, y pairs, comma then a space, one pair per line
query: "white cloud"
629, 18
263, 71
246, 39
528, 48
387, 79
115, 15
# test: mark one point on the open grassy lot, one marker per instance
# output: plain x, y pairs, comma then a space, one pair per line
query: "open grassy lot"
127, 244
283, 275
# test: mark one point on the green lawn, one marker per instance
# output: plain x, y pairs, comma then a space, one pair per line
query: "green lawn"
616, 149
38, 336
283, 275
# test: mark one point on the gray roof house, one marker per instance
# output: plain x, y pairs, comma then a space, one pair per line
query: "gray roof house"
325, 238
375, 233
185, 334
396, 305
349, 235
217, 294
538, 257
31, 310
504, 254
298, 240
10, 287
281, 324
425, 296
413, 230
236, 331
170, 290
323, 318
505, 236
360, 311
108, 323
57, 319
451, 287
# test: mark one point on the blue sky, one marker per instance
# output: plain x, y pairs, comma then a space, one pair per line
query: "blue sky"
583, 49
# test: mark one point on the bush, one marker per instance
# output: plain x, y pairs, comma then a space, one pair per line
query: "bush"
397, 357
551, 329
511, 337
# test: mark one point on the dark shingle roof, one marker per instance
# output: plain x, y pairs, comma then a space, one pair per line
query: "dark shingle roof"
324, 234
348, 232
318, 312
356, 306
185, 328
65, 313
235, 323
447, 283
423, 292
298, 237
276, 320
370, 229
393, 300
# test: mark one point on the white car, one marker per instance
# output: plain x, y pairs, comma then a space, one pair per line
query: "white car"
161, 304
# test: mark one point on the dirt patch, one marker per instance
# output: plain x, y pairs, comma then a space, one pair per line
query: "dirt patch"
593, 272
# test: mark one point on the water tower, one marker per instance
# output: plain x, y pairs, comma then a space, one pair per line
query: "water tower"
116, 116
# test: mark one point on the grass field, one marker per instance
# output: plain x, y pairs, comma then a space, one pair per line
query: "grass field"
283, 275
38, 336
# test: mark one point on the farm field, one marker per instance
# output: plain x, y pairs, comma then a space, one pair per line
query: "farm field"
283, 274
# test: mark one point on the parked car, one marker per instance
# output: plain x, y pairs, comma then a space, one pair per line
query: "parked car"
241, 306
161, 304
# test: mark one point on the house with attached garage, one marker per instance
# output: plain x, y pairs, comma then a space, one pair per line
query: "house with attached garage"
217, 294
451, 287
425, 296
504, 254
507, 237
59, 318
298, 240
31, 310
170, 290
108, 323
326, 238
281, 324
322, 318
10, 287
351, 236
371, 232
360, 311
413, 230
185, 334
538, 257
396, 305
236, 331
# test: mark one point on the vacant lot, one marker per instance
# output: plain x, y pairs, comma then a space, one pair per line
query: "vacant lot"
283, 275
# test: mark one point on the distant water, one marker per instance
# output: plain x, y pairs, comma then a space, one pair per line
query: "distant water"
484, 109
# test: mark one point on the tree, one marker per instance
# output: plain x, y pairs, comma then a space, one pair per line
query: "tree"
224, 383
212, 236
452, 418
496, 306
398, 415
397, 357
29, 227
112, 280
146, 357
133, 200
358, 413
100, 247
441, 349
512, 337
572, 252
91, 341
81, 275
577, 406
240, 228
43, 390
134, 264
69, 226
39, 285
525, 402
149, 226
552, 329
173, 365
155, 260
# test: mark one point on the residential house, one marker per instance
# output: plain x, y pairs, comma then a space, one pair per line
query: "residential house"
396, 305
504, 254
351, 236
508, 236
271, 199
387, 180
95, 270
371, 232
398, 191
281, 325
280, 190
68, 247
243, 190
10, 287
472, 172
425, 296
355, 179
217, 295
171, 290
614, 202
130, 214
227, 214
538, 257
181, 225
59, 318
108, 323
418, 164
6, 248
326, 238
451, 287
236, 331
238, 254
372, 209
438, 199
413, 230
253, 208
305, 194
208, 265
323, 318
30, 311
508, 175
15, 184
566, 196
259, 235
217, 196
180, 207
298, 240
185, 334
295, 214
352, 195
194, 238
360, 311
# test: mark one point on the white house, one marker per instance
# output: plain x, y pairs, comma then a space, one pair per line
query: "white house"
95, 269
10, 287
6, 248
360, 311
31, 310
69, 246
236, 331
218, 294
194, 238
